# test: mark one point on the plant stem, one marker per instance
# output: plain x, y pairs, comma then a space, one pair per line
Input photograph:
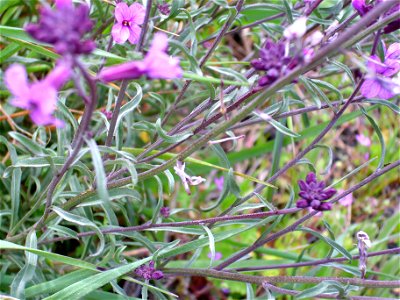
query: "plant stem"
114, 118
314, 262
280, 279
145, 26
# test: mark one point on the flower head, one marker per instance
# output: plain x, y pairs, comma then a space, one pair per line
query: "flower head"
127, 23
273, 60
149, 272
157, 64
165, 211
64, 27
164, 8
379, 82
313, 193
40, 97
187, 179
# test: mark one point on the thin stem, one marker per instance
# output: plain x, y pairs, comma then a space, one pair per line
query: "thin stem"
184, 223
312, 7
293, 226
145, 26
280, 279
114, 118
314, 262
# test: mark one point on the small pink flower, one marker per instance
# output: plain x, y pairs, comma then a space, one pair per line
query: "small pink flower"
363, 140
157, 64
346, 200
217, 256
38, 97
219, 182
128, 21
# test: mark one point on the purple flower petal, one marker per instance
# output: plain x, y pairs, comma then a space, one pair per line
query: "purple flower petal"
370, 88
305, 195
59, 76
16, 81
130, 70
302, 184
138, 13
134, 34
302, 203
311, 178
325, 206
120, 33
122, 12
330, 192
315, 204
157, 275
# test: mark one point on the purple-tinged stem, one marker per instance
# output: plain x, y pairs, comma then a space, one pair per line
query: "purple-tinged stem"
184, 223
314, 262
145, 26
280, 279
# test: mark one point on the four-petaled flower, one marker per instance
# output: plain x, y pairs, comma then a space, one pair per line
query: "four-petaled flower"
187, 179
149, 272
40, 97
379, 82
157, 64
313, 193
128, 21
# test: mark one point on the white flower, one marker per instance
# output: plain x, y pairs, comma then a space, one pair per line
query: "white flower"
297, 29
186, 179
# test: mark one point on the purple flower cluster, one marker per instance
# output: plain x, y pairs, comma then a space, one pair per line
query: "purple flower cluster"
165, 211
313, 193
64, 27
273, 61
363, 8
149, 272
157, 64
164, 8
379, 82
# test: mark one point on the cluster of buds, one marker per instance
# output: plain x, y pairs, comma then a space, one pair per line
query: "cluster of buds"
313, 194
149, 272
64, 27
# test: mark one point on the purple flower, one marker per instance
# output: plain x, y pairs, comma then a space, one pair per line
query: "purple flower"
40, 97
274, 61
379, 81
363, 8
346, 200
128, 21
149, 272
219, 182
164, 8
217, 256
363, 140
156, 64
165, 211
107, 113
64, 27
313, 193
